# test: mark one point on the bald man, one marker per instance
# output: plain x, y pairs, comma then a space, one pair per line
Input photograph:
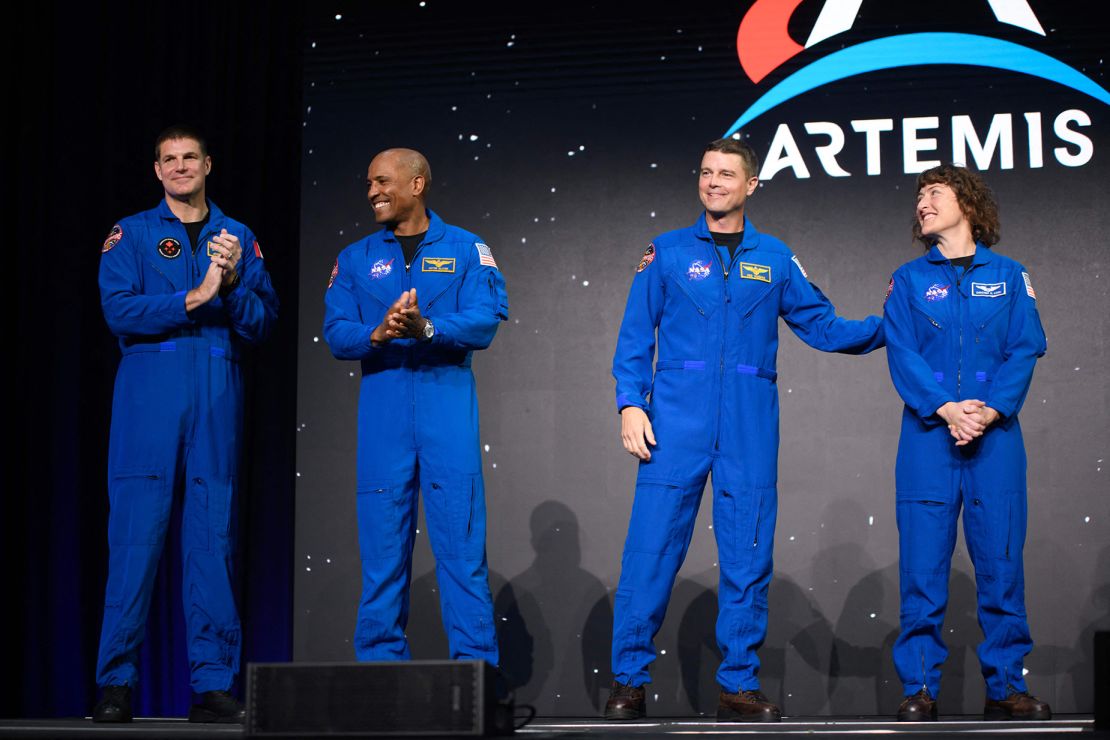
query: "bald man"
411, 302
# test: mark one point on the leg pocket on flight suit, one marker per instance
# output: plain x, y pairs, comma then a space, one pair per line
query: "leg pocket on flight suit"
212, 511
140, 507
925, 527
379, 521
736, 522
994, 527
456, 514
654, 525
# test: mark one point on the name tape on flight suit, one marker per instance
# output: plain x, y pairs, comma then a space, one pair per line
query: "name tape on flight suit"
437, 264
988, 290
749, 271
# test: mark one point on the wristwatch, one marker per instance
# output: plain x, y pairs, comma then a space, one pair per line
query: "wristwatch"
429, 330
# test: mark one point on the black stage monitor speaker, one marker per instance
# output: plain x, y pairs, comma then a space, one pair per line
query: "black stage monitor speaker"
419, 698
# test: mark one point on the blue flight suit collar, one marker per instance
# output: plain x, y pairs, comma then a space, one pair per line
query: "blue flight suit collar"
750, 239
183, 272
215, 215
386, 290
982, 256
436, 229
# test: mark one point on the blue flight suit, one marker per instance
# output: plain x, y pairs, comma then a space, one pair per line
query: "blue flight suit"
951, 338
713, 407
418, 427
176, 424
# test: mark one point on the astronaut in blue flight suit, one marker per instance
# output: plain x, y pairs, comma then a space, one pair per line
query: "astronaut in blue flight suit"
184, 288
709, 298
412, 302
963, 335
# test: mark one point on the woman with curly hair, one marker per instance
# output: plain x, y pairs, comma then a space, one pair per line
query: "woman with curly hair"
963, 335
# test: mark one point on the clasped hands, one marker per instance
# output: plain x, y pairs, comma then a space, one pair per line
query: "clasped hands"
967, 420
402, 320
224, 254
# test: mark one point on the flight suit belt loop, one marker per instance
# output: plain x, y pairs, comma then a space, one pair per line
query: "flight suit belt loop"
216, 349
980, 376
701, 365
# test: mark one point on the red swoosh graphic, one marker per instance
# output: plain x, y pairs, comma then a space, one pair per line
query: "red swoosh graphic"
762, 42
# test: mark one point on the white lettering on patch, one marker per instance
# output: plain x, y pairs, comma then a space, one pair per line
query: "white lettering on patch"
988, 290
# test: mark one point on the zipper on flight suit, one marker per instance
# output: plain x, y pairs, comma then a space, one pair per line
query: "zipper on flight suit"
724, 338
963, 307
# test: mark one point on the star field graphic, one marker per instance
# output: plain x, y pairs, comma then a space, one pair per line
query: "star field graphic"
568, 137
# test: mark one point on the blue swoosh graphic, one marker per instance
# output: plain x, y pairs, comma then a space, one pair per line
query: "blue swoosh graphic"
915, 49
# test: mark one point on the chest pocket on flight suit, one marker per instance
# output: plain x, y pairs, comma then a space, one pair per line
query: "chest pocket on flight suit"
749, 295
438, 290
704, 295
161, 275
989, 317
929, 327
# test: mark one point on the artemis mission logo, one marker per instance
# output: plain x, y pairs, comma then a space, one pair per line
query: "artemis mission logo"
1024, 138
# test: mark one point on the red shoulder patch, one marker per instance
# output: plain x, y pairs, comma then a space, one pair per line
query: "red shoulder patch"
257, 250
113, 238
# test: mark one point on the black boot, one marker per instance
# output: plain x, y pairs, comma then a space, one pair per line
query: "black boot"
114, 706
217, 706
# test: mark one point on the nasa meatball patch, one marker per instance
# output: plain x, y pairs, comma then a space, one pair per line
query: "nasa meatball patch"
113, 238
698, 270
169, 248
380, 269
936, 292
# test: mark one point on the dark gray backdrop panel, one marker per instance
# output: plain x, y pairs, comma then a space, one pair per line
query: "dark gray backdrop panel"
568, 141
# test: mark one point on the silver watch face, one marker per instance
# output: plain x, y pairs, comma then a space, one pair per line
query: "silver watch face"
429, 330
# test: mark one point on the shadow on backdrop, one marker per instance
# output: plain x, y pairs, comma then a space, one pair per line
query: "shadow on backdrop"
554, 602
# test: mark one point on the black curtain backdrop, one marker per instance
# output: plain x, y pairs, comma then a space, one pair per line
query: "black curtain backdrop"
90, 86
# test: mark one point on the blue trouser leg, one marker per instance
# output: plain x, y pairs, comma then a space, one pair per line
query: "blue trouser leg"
659, 533
927, 536
455, 509
211, 465
386, 528
148, 425
744, 524
173, 413
994, 527
988, 480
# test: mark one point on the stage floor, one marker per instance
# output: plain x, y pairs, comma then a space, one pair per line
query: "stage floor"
559, 728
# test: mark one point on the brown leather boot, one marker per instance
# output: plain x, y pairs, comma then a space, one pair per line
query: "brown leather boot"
746, 706
1018, 705
921, 707
625, 702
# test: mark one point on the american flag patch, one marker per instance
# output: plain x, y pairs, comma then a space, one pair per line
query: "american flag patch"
798, 262
485, 256
1028, 285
